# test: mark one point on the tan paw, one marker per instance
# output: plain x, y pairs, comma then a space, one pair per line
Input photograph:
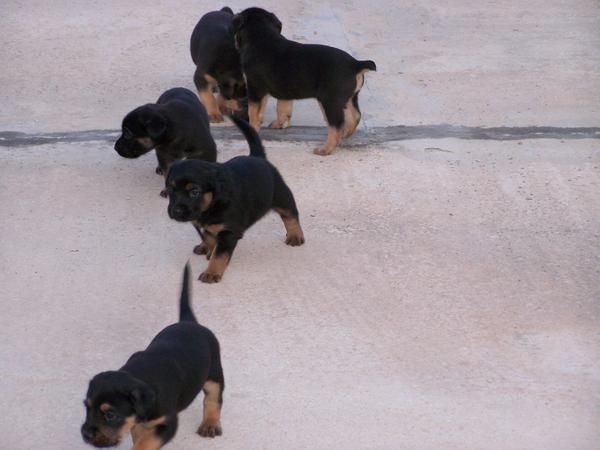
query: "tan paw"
323, 150
207, 277
294, 239
216, 118
277, 125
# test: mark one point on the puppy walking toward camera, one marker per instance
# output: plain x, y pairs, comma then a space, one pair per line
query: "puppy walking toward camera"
289, 70
218, 66
146, 394
223, 200
176, 125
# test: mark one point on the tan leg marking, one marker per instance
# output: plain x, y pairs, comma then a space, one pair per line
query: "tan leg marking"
284, 114
294, 234
256, 111
228, 105
333, 138
211, 421
144, 437
209, 101
216, 268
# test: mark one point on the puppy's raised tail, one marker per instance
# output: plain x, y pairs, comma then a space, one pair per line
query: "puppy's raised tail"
185, 311
256, 147
366, 65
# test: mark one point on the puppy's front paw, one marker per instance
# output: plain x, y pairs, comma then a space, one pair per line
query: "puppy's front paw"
207, 277
209, 428
294, 239
202, 249
277, 125
215, 117
163, 193
323, 150
159, 171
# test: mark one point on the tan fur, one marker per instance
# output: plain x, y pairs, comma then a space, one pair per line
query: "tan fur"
256, 111
333, 138
284, 114
105, 407
294, 233
226, 105
207, 199
216, 268
146, 142
211, 421
143, 434
209, 101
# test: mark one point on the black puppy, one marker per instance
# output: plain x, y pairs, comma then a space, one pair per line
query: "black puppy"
176, 125
224, 200
288, 70
146, 394
218, 64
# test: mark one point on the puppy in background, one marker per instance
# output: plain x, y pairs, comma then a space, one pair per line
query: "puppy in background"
223, 200
218, 66
176, 126
288, 70
145, 395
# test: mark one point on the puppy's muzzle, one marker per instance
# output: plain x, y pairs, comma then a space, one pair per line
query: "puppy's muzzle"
88, 432
179, 212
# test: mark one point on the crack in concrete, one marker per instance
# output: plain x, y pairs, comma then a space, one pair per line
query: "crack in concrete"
375, 135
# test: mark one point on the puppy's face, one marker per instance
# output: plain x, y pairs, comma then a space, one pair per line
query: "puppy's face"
142, 129
193, 187
114, 403
255, 19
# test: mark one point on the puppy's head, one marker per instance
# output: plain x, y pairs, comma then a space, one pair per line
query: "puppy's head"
251, 21
142, 129
114, 403
194, 186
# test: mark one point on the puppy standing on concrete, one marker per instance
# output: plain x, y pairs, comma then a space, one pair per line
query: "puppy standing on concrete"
176, 125
218, 65
224, 200
146, 394
288, 70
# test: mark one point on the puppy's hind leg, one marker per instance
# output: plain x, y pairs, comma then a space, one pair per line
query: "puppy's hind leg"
352, 116
284, 114
285, 205
213, 400
256, 111
334, 114
205, 85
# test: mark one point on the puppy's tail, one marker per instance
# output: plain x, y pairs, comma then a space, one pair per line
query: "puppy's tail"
366, 65
185, 311
256, 147
227, 9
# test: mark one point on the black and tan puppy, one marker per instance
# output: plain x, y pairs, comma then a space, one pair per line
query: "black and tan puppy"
176, 126
289, 70
218, 65
224, 200
145, 395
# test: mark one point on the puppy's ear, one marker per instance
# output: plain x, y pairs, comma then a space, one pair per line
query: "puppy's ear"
156, 125
276, 21
237, 23
142, 399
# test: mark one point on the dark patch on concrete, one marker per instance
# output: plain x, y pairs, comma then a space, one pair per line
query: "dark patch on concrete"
376, 135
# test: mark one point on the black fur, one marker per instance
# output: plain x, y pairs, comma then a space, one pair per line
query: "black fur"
155, 384
176, 125
214, 54
229, 198
289, 70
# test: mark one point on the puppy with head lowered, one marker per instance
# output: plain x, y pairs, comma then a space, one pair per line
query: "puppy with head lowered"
176, 126
218, 66
145, 395
223, 200
289, 70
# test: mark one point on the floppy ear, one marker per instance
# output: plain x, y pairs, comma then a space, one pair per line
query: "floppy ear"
276, 21
142, 398
237, 23
156, 125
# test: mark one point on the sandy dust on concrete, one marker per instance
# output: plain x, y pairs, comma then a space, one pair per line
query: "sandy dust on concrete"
448, 295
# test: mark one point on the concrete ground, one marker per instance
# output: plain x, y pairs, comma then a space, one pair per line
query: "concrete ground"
447, 297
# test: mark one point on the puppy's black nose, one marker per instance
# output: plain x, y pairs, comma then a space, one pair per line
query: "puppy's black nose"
179, 211
88, 433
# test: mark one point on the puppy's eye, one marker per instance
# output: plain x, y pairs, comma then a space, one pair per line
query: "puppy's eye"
195, 193
110, 416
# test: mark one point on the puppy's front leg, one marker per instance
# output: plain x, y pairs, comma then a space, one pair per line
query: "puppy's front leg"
208, 242
256, 111
284, 115
219, 259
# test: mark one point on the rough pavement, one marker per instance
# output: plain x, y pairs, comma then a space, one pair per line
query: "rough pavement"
448, 295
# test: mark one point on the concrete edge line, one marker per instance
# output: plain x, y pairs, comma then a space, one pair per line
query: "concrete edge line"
375, 135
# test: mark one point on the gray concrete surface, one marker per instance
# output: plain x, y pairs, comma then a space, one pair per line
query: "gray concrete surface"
448, 295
